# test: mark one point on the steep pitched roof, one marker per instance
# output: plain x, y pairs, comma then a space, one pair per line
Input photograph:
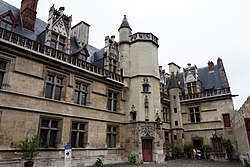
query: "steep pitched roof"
125, 23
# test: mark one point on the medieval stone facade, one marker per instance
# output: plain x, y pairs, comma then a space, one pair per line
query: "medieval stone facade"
106, 103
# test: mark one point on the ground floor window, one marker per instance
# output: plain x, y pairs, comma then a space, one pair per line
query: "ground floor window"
78, 134
49, 130
111, 136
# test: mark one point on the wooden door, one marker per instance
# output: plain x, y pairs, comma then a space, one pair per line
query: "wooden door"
147, 150
247, 122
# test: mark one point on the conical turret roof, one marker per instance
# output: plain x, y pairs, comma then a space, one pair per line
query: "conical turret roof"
124, 23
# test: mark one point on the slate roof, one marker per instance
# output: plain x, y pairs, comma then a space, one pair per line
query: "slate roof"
209, 80
124, 23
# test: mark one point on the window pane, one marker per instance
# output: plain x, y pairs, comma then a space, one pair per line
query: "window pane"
109, 129
54, 124
76, 97
192, 118
52, 140
109, 104
43, 136
81, 139
1, 79
57, 93
197, 117
83, 100
59, 81
82, 126
115, 105
61, 47
53, 44
50, 78
73, 139
48, 91
2, 65
108, 140
74, 126
110, 94
77, 86
45, 123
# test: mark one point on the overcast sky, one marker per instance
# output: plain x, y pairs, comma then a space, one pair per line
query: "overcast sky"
189, 31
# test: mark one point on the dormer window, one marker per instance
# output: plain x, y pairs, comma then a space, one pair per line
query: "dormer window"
192, 87
58, 41
7, 21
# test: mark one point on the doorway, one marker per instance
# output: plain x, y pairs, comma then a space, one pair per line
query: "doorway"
147, 150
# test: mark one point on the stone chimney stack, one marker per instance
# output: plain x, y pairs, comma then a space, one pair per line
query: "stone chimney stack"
28, 13
210, 66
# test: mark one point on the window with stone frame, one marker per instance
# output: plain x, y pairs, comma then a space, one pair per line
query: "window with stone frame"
194, 114
166, 116
54, 86
192, 87
81, 93
2, 72
166, 134
78, 134
226, 120
58, 41
49, 132
113, 100
112, 132
145, 88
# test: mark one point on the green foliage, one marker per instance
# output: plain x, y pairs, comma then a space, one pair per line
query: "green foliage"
98, 162
207, 148
29, 147
227, 145
131, 159
188, 148
176, 150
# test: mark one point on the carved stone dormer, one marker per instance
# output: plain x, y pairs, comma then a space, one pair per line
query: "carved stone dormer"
111, 55
191, 79
58, 30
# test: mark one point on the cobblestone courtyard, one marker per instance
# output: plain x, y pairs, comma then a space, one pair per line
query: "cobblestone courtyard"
189, 163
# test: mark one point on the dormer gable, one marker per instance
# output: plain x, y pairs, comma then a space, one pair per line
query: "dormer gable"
8, 21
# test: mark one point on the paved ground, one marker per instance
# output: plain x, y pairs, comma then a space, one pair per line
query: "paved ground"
189, 163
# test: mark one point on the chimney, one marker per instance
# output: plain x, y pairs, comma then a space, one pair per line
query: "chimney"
210, 66
28, 13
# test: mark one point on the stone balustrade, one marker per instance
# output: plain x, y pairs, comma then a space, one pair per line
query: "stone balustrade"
144, 36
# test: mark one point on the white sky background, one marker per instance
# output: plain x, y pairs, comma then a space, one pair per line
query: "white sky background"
189, 31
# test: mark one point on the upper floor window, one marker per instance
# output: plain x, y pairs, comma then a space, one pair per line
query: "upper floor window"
58, 41
2, 72
78, 134
176, 123
226, 120
81, 92
175, 110
192, 87
111, 136
112, 101
165, 114
145, 88
194, 114
54, 85
49, 132
7, 21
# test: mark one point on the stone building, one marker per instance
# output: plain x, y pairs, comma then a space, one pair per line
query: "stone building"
106, 103
241, 129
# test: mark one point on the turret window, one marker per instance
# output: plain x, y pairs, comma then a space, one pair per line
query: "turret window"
145, 88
